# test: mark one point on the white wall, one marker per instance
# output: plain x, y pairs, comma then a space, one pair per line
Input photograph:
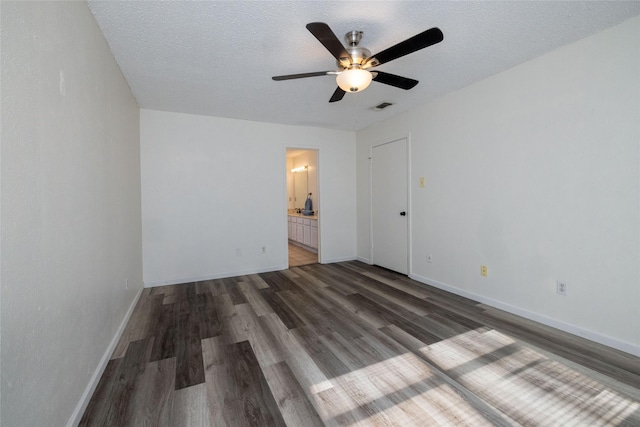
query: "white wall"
533, 172
71, 232
214, 193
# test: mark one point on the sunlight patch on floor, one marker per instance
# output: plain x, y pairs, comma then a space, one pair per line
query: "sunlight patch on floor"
402, 389
526, 385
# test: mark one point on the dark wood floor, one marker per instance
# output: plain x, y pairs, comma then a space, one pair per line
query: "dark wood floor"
351, 344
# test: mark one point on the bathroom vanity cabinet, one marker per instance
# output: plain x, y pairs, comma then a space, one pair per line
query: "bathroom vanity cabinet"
304, 230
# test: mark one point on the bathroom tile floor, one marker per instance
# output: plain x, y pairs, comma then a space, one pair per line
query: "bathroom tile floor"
299, 256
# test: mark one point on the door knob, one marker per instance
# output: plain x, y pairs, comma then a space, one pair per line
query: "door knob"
403, 213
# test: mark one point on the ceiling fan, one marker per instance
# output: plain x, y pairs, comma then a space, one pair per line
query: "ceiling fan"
355, 61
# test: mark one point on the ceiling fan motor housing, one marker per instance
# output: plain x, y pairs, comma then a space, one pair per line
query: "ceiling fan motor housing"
358, 54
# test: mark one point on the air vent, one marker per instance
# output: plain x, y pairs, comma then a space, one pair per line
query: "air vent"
382, 106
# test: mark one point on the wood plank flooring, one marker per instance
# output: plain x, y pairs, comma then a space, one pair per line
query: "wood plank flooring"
351, 344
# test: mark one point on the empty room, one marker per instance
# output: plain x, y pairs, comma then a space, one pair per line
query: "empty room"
308, 213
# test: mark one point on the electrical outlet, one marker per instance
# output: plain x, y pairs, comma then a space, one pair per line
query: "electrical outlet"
483, 271
264, 249
238, 252
562, 288
422, 182
430, 258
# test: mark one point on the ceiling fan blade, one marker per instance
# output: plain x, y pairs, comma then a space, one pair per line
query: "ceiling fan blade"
301, 75
337, 95
410, 45
323, 33
393, 80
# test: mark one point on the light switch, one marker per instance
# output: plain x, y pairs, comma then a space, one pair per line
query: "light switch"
422, 182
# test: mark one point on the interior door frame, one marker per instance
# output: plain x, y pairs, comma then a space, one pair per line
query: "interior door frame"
286, 195
408, 190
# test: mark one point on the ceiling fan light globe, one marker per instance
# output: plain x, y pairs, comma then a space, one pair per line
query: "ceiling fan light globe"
354, 80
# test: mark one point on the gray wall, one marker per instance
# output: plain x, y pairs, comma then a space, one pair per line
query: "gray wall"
71, 228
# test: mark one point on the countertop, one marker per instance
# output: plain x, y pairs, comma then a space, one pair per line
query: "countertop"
303, 216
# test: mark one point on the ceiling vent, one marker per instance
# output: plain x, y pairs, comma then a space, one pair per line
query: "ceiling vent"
382, 106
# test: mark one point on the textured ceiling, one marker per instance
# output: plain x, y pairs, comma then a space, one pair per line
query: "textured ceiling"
217, 57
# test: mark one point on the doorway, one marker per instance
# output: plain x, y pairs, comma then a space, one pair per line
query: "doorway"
389, 206
302, 206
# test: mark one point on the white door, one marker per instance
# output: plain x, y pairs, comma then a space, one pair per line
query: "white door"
389, 206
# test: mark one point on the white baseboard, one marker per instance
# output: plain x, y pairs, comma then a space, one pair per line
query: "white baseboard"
365, 260
78, 412
213, 276
627, 347
334, 260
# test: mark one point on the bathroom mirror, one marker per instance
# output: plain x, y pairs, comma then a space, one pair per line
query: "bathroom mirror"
300, 185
